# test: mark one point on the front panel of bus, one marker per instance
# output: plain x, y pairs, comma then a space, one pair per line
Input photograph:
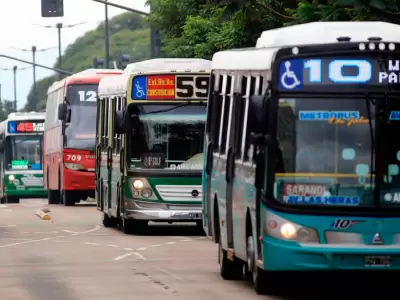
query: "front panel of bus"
333, 200
79, 139
22, 154
165, 145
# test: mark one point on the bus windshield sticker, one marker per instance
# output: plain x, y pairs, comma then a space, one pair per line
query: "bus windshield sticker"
320, 200
19, 164
345, 223
347, 118
394, 115
153, 161
168, 87
298, 74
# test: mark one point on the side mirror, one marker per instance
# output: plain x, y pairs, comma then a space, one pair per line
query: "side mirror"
119, 123
68, 116
62, 110
258, 109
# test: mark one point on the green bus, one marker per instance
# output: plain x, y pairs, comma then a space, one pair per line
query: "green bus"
150, 135
21, 164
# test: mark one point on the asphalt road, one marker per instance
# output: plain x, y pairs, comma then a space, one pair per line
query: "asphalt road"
73, 257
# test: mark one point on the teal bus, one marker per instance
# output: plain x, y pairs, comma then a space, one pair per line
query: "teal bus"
21, 163
301, 160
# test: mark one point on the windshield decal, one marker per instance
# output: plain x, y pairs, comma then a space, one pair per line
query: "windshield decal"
153, 160
394, 115
19, 164
327, 200
325, 115
392, 197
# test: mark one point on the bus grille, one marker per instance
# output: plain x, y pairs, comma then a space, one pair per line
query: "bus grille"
32, 181
180, 192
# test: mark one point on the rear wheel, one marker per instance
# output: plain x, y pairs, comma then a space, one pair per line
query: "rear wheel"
259, 276
68, 198
108, 221
10, 199
229, 269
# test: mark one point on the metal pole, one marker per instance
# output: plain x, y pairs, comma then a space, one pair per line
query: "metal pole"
15, 87
107, 38
59, 26
34, 77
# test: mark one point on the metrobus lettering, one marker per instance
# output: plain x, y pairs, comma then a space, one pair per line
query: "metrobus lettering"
350, 122
330, 200
327, 115
304, 189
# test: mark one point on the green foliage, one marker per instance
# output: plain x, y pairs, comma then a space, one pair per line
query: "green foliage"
6, 108
129, 34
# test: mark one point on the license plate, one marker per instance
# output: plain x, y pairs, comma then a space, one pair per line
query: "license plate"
377, 261
195, 215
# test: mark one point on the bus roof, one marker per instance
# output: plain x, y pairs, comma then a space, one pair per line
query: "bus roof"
270, 41
88, 76
169, 65
113, 85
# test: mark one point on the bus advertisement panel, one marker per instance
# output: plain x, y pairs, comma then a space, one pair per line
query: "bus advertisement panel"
21, 167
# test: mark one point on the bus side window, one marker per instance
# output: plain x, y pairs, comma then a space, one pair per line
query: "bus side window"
241, 115
104, 143
216, 109
256, 84
226, 100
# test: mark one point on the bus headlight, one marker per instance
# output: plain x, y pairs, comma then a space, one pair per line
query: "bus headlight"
73, 166
146, 193
288, 231
280, 228
11, 177
138, 184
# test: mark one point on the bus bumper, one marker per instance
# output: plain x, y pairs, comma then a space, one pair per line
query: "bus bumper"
78, 180
28, 193
281, 255
139, 210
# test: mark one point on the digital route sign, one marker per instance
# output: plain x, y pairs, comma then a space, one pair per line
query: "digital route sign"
25, 127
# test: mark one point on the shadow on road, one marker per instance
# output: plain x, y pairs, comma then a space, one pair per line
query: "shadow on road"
337, 285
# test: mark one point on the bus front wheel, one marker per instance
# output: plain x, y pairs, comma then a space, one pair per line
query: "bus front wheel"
259, 276
68, 198
10, 199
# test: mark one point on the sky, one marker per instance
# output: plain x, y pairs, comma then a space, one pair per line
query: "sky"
19, 30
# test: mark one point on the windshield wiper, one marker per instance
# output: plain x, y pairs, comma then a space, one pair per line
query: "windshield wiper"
171, 108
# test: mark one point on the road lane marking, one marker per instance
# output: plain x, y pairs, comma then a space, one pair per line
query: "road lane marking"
139, 256
6, 210
123, 256
7, 226
114, 246
93, 244
128, 249
141, 249
170, 243
83, 232
157, 245
25, 242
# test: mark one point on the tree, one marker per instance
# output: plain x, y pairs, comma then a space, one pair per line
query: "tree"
6, 108
129, 34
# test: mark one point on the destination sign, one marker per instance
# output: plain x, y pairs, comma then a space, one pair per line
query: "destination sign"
355, 73
25, 126
170, 87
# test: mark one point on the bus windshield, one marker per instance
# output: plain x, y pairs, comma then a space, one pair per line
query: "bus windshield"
24, 152
81, 131
326, 152
168, 137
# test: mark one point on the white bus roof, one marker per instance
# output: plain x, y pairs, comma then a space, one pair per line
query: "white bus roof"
169, 65
83, 74
113, 85
270, 41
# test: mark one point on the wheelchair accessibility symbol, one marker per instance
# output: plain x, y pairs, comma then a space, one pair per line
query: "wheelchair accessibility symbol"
139, 90
289, 79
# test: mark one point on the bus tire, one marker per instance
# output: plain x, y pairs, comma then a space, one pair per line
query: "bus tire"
10, 199
126, 225
107, 221
259, 276
68, 198
139, 226
229, 269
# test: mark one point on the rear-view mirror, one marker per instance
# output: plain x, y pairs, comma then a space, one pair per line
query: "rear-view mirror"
119, 123
62, 110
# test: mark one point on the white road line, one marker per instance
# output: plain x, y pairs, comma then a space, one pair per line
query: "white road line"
123, 256
186, 240
6, 210
83, 232
170, 243
128, 249
7, 226
169, 273
141, 249
157, 245
139, 256
61, 241
25, 242
3, 205
115, 246
93, 244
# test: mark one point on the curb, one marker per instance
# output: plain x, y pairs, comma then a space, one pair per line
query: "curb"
43, 213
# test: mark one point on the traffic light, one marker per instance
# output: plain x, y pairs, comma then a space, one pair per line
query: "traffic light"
52, 8
98, 62
122, 61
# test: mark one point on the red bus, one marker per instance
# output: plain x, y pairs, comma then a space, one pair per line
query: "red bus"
69, 137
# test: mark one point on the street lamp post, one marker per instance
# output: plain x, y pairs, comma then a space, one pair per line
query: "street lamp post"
107, 39
15, 87
34, 76
59, 26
